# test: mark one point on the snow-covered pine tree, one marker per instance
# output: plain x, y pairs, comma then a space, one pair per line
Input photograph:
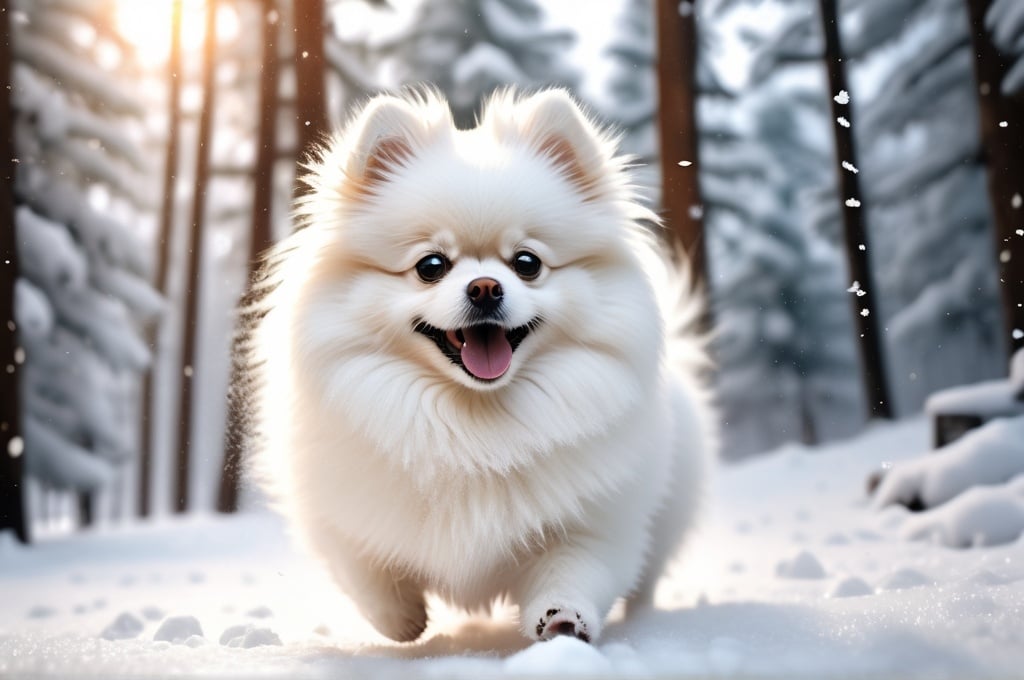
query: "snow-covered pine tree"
930, 220
352, 61
84, 291
1005, 21
632, 98
784, 342
469, 48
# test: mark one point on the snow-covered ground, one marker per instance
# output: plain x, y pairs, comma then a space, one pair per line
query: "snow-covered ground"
794, 573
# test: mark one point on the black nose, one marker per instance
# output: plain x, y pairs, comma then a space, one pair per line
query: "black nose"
485, 293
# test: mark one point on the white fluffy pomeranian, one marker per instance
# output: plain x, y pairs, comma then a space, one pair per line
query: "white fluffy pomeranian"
464, 378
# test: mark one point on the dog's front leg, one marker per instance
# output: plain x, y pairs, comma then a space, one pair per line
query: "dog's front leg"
569, 588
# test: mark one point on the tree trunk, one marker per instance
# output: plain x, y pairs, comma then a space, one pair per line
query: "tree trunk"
677, 119
865, 312
164, 239
1002, 136
190, 327
310, 78
261, 238
12, 502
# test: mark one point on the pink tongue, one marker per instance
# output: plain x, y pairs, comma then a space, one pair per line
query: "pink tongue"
486, 354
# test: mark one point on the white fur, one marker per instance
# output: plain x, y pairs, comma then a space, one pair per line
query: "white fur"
566, 483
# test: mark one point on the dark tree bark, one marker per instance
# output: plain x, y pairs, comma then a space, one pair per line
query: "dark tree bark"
190, 326
677, 119
1002, 136
310, 78
164, 239
261, 237
876, 388
12, 507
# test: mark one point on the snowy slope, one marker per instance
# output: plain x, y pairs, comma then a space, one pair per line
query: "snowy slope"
793, 574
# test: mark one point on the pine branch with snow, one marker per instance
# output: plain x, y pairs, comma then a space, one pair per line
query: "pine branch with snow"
85, 291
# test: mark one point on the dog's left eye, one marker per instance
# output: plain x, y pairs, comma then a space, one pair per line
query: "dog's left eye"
526, 264
432, 268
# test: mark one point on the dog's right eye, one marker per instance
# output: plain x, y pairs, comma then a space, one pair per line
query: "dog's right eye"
432, 268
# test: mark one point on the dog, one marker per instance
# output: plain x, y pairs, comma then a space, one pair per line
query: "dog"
473, 374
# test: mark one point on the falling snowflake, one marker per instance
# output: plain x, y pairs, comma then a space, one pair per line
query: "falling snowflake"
187, 371
842, 121
1017, 334
865, 312
685, 164
696, 212
15, 447
843, 97
1004, 256
1016, 201
1003, 123
847, 165
852, 203
855, 288
1020, 232
862, 247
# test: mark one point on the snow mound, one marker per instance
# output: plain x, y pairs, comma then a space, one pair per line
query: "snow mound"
803, 566
902, 579
564, 654
851, 586
981, 516
248, 636
178, 629
990, 454
194, 641
125, 627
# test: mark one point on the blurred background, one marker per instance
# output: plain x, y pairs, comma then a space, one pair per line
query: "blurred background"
847, 175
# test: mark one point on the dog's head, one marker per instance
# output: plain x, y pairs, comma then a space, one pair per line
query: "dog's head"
459, 248
438, 270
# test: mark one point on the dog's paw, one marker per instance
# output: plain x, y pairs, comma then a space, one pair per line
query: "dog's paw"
399, 621
560, 621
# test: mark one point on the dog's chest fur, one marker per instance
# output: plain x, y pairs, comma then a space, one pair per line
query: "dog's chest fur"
460, 532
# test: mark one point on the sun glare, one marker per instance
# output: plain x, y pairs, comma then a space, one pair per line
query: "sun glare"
146, 26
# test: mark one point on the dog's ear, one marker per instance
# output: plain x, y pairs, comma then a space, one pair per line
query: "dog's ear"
387, 134
555, 126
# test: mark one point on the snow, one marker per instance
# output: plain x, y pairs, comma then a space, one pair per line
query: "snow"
979, 516
229, 595
988, 398
178, 630
973, 487
804, 565
125, 627
992, 454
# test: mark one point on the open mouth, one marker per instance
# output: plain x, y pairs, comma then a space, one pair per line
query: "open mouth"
484, 351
